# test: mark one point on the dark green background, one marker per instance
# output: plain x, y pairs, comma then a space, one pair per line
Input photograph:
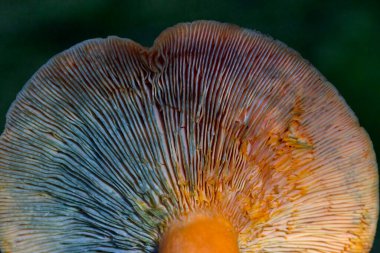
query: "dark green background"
340, 38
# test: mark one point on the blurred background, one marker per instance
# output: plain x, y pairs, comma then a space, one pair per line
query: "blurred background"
340, 38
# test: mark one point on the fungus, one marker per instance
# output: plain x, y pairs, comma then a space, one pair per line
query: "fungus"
216, 139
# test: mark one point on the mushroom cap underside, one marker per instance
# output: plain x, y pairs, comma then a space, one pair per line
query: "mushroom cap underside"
110, 142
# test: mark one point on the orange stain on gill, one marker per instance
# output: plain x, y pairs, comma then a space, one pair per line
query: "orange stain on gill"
289, 152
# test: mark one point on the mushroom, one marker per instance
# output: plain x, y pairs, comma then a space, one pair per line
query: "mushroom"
216, 139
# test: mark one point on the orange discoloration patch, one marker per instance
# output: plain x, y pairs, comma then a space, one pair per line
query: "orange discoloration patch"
6, 246
358, 237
